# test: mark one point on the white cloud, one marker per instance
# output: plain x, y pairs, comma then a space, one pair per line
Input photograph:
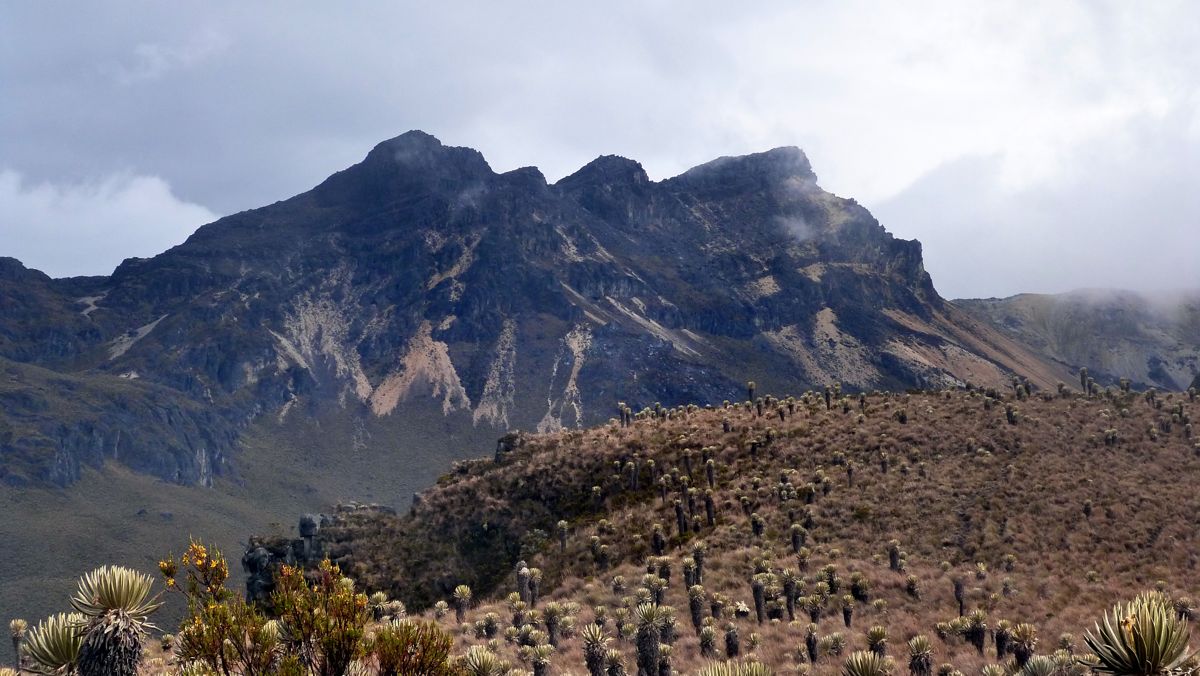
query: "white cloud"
1123, 213
153, 60
88, 228
888, 91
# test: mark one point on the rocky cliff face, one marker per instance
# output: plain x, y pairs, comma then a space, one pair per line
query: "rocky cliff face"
1152, 341
421, 276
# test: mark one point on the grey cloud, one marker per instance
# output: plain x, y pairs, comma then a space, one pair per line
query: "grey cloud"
1127, 216
236, 105
797, 227
294, 95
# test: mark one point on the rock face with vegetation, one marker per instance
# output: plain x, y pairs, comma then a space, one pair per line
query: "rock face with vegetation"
496, 301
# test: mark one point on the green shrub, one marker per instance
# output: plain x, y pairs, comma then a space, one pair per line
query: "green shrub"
407, 647
920, 655
53, 645
479, 661
738, 669
1144, 636
218, 620
866, 663
115, 604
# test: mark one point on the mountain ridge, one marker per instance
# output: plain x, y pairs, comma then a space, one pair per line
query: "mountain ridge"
420, 271
1152, 340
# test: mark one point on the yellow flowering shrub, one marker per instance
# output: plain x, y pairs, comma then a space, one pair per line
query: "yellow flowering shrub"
221, 631
326, 620
318, 628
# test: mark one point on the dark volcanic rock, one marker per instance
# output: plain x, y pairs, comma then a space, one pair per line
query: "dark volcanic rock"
421, 273
52, 425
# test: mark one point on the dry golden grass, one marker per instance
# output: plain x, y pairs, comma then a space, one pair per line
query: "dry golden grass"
1088, 523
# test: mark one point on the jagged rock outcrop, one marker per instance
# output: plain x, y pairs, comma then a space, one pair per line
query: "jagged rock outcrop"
420, 283
319, 538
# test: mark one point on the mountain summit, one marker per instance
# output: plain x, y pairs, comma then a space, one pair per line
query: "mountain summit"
421, 287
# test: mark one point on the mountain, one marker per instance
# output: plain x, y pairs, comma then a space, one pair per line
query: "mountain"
1154, 341
420, 273
352, 341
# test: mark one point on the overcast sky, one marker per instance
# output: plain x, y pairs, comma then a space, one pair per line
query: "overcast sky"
1029, 146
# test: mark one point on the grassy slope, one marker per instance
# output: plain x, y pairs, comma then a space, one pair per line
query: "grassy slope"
962, 487
284, 471
61, 534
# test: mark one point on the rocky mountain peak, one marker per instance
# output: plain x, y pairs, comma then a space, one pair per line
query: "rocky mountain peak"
412, 162
528, 177
778, 166
607, 170
414, 150
13, 269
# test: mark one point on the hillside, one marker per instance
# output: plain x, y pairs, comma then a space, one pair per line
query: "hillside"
1047, 520
1153, 341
